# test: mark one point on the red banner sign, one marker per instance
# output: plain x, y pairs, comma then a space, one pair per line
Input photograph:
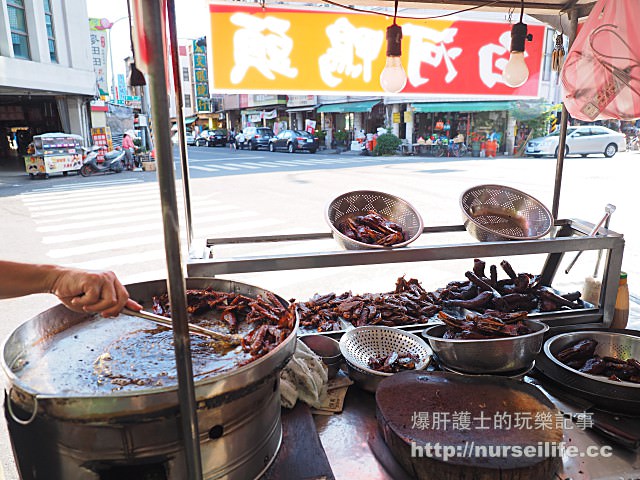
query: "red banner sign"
332, 52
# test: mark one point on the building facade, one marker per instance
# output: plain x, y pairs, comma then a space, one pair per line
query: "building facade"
46, 72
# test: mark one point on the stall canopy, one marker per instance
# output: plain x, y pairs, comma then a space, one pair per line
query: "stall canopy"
435, 107
349, 107
190, 120
306, 108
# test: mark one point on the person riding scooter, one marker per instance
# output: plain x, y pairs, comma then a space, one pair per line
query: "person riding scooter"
113, 162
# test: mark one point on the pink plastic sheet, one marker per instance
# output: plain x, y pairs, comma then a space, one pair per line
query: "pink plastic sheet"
601, 73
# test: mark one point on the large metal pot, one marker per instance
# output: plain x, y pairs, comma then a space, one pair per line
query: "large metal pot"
495, 355
71, 434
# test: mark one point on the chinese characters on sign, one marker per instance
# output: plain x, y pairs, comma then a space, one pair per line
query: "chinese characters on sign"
351, 53
261, 43
283, 49
99, 45
464, 420
201, 80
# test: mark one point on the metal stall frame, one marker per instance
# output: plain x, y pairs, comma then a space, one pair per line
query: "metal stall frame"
571, 235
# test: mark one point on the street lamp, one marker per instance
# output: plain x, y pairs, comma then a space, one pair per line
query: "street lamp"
113, 73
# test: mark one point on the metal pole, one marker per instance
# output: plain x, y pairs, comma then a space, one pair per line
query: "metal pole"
182, 141
153, 17
563, 127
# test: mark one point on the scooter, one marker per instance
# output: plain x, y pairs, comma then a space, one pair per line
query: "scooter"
113, 162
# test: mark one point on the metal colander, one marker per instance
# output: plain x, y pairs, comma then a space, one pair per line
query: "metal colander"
361, 202
362, 343
610, 344
494, 213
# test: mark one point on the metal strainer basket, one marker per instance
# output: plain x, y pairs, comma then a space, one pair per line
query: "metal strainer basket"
494, 213
610, 344
360, 202
362, 343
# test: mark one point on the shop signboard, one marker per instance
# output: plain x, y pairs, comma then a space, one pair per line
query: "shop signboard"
122, 89
396, 117
99, 41
201, 79
302, 100
445, 57
260, 100
133, 101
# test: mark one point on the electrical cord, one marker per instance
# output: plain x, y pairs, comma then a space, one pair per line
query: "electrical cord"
361, 10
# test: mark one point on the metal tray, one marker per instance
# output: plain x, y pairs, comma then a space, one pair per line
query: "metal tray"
609, 344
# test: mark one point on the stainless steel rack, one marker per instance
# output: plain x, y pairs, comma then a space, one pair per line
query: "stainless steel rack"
569, 236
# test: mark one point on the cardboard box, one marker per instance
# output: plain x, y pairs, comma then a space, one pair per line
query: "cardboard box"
149, 166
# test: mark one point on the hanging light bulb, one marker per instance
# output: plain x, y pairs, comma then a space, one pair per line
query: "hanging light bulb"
516, 73
393, 77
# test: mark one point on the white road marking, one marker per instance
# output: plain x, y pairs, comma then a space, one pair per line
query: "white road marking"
241, 165
204, 169
101, 247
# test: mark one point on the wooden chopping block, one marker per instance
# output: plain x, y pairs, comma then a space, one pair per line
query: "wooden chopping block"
476, 447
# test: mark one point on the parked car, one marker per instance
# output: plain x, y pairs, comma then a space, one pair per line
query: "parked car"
580, 140
257, 137
189, 138
292, 140
217, 138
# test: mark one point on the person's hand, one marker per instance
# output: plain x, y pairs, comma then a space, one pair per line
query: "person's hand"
92, 292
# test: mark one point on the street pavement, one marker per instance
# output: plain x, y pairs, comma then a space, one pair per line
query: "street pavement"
115, 221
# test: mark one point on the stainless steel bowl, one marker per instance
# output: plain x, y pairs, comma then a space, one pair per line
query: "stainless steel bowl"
495, 355
362, 343
360, 202
496, 213
610, 344
327, 349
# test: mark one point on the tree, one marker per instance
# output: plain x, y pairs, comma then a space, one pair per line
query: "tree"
387, 144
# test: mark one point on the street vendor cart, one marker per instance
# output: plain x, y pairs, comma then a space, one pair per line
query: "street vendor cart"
54, 153
229, 426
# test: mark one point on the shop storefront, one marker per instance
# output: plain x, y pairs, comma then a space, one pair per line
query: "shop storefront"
351, 117
476, 121
265, 111
302, 111
22, 117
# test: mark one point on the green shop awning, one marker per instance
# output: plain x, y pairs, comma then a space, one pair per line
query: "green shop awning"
190, 120
437, 107
348, 107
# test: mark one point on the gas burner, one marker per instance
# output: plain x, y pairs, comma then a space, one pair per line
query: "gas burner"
515, 374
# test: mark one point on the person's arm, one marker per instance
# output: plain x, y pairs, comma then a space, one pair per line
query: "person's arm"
79, 290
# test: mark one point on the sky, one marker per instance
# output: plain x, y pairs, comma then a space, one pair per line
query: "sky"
192, 20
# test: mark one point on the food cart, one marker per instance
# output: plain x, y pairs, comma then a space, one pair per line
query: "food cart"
54, 153
349, 445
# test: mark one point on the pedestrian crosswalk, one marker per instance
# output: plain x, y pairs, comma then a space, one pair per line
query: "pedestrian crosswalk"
117, 225
224, 166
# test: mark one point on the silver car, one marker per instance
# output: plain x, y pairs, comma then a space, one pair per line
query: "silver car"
580, 140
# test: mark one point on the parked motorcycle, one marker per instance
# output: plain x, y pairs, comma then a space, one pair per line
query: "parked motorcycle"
113, 162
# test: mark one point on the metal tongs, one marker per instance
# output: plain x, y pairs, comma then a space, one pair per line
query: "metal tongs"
609, 209
232, 339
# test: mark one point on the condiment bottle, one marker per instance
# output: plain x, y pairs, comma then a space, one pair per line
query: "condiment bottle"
621, 311
591, 290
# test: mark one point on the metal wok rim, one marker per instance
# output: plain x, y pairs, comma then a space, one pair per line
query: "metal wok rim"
16, 381
597, 378
342, 236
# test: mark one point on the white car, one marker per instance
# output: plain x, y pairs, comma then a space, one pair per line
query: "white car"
580, 140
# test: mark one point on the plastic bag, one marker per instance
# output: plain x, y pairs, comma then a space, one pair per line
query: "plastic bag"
601, 73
